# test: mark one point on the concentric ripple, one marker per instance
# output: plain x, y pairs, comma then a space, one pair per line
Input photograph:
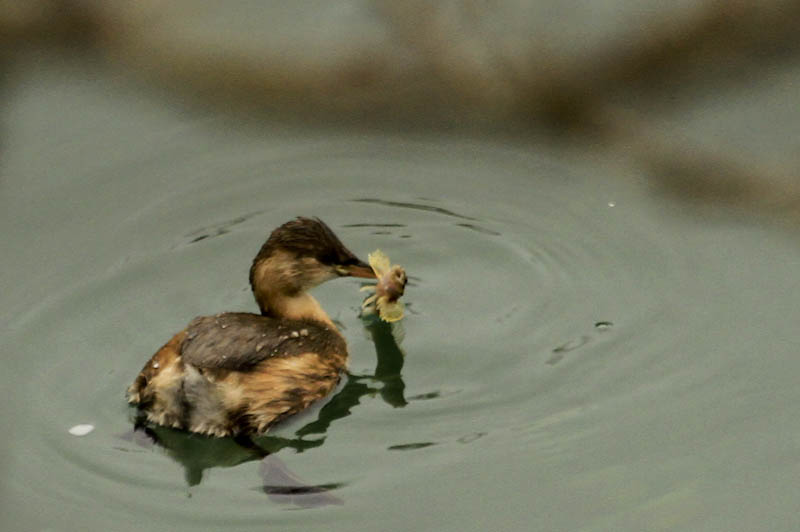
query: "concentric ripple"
563, 334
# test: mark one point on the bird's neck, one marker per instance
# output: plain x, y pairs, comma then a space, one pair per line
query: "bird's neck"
281, 293
301, 306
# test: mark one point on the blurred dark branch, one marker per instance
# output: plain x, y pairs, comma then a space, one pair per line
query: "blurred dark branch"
50, 22
441, 67
424, 65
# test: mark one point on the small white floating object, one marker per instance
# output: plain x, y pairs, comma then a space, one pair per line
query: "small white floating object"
81, 430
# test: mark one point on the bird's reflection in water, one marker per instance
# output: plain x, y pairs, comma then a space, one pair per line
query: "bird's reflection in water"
196, 453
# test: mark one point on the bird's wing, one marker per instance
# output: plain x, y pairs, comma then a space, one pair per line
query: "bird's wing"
238, 341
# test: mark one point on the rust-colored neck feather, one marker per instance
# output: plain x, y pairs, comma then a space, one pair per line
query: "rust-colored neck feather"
279, 285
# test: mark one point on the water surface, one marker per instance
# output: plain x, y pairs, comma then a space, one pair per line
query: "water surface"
578, 354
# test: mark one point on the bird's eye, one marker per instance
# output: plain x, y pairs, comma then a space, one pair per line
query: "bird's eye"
327, 258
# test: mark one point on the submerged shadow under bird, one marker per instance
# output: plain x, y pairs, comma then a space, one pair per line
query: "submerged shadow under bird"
197, 453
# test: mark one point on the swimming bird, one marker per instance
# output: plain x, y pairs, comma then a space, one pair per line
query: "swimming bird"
240, 373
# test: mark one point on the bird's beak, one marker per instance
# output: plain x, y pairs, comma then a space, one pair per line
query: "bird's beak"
359, 269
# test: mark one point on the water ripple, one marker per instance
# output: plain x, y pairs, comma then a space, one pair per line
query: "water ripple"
587, 341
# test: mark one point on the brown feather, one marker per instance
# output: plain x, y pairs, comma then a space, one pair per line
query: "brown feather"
240, 372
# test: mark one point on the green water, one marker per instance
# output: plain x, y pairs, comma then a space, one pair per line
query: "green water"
578, 353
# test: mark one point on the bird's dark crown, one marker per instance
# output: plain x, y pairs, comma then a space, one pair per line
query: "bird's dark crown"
307, 237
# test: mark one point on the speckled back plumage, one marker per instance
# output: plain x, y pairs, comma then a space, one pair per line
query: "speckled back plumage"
249, 339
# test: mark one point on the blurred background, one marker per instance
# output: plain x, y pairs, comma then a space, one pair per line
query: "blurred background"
701, 95
596, 200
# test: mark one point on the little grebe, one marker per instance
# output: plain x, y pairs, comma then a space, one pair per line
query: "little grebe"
239, 373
